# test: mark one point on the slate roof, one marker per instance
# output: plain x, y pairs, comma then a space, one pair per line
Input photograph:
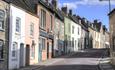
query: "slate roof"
59, 14
29, 5
111, 11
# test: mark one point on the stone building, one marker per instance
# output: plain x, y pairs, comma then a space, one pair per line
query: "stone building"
4, 9
85, 34
112, 35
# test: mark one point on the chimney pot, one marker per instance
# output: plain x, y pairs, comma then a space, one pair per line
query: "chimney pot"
64, 9
70, 12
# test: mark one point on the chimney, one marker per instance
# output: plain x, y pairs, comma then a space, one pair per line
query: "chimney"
74, 15
47, 1
54, 3
70, 12
64, 9
95, 21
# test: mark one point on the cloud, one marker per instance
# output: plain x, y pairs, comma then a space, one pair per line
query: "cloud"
73, 4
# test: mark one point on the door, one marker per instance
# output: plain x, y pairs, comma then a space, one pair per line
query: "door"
21, 54
40, 50
47, 50
27, 55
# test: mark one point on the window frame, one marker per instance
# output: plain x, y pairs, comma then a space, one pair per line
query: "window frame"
1, 50
42, 19
41, 39
14, 50
19, 25
73, 29
2, 19
32, 29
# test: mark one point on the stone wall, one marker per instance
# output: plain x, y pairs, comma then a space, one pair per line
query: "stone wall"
4, 36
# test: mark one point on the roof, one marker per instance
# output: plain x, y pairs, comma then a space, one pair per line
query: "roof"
111, 11
29, 5
46, 5
59, 14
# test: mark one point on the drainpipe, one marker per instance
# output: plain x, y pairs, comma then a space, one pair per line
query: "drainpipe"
8, 32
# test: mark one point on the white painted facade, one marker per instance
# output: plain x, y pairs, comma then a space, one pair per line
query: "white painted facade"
14, 62
76, 35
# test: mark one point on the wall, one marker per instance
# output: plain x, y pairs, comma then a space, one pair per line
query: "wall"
29, 38
15, 37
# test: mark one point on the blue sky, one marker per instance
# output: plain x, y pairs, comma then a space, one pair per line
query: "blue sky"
90, 9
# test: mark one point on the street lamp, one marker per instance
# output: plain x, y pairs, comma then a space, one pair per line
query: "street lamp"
109, 4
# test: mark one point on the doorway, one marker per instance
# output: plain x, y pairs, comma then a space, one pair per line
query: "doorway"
47, 50
21, 54
27, 55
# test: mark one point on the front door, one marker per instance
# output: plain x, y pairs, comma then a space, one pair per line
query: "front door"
40, 50
47, 50
21, 54
27, 55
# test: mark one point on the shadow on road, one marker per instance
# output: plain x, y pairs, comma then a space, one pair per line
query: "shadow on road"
69, 67
90, 53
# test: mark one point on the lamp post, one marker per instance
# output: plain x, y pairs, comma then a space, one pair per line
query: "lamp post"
109, 4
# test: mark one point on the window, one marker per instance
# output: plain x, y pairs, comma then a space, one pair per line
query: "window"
2, 15
18, 22
43, 19
42, 43
51, 22
14, 49
72, 42
78, 30
1, 49
32, 29
69, 28
73, 29
33, 51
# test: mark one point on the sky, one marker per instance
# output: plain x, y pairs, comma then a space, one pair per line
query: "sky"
90, 9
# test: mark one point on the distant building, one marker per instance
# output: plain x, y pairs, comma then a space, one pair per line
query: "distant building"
75, 32
91, 35
67, 29
100, 35
58, 33
85, 34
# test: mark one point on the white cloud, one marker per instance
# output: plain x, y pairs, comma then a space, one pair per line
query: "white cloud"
74, 4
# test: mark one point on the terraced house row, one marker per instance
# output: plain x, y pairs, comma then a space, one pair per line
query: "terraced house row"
36, 30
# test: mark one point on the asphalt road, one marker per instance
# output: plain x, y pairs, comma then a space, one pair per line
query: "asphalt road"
87, 60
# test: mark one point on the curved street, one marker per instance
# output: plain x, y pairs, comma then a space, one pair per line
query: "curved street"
82, 60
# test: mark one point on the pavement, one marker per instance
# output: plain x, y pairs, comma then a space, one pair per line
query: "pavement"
105, 64
90, 59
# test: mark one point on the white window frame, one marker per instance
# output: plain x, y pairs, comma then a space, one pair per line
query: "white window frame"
14, 50
31, 29
19, 25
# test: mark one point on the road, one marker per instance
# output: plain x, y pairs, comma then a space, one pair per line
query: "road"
86, 60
